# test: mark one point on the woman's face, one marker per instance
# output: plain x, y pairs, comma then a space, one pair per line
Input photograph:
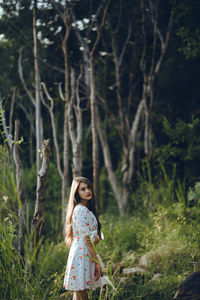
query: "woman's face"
85, 191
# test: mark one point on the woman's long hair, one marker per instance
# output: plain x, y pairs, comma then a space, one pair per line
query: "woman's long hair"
74, 199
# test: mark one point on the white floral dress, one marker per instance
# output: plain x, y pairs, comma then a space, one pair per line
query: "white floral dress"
79, 273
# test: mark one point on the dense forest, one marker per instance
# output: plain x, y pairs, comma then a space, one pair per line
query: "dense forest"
109, 90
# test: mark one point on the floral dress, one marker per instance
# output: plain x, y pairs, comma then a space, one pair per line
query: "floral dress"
79, 273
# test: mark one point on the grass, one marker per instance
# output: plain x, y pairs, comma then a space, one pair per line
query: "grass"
170, 241
161, 226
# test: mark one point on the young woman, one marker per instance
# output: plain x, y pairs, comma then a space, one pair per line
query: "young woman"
82, 226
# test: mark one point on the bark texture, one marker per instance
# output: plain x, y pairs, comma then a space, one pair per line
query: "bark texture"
37, 91
38, 218
21, 198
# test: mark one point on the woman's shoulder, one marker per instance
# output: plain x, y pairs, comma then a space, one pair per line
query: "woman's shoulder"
81, 208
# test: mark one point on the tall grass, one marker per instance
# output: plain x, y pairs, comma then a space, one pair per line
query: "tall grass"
162, 224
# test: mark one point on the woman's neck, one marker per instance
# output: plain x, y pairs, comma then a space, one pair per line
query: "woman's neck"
84, 202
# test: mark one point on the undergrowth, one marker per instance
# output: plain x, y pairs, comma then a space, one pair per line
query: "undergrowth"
165, 230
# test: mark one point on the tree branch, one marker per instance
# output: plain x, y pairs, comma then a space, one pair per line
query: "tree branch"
20, 70
55, 140
12, 110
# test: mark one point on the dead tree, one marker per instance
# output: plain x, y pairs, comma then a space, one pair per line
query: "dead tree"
88, 59
74, 121
21, 198
65, 16
38, 217
75, 133
127, 130
127, 124
37, 91
149, 73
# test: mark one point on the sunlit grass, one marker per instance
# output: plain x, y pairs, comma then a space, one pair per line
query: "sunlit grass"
161, 226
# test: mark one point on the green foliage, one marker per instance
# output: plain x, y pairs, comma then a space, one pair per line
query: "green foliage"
10, 266
181, 148
194, 194
187, 26
165, 230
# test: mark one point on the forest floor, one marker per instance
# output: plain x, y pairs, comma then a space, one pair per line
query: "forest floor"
143, 256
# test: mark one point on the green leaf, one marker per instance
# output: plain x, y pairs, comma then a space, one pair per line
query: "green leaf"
197, 189
192, 196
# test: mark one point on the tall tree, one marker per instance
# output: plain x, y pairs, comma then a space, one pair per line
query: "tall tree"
96, 19
128, 115
37, 90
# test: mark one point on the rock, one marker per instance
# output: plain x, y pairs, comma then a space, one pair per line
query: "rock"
143, 262
104, 280
134, 270
156, 276
189, 288
130, 255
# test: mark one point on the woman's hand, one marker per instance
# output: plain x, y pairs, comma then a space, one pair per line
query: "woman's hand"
97, 239
97, 271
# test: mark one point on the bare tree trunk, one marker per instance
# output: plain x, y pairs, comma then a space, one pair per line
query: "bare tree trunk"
95, 144
127, 131
88, 56
155, 64
21, 199
121, 194
38, 218
65, 133
65, 177
37, 91
75, 135
63, 173
108, 164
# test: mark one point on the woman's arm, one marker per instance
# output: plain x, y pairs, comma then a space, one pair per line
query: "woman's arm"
90, 247
94, 256
97, 239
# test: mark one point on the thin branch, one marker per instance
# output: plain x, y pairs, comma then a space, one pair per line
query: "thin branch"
12, 110
164, 47
96, 15
99, 30
55, 140
20, 70
43, 85
60, 91
28, 115
136, 121
125, 45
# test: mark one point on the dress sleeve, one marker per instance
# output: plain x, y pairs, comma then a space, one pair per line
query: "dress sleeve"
81, 221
